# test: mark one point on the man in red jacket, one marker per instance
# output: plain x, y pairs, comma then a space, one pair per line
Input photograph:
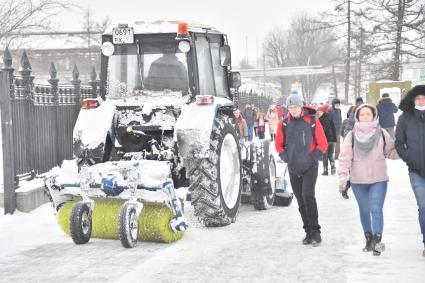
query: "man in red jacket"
301, 142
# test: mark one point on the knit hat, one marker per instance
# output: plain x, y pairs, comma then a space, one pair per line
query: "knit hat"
294, 99
359, 100
335, 101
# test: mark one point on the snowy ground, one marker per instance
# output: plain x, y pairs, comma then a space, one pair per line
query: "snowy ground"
262, 246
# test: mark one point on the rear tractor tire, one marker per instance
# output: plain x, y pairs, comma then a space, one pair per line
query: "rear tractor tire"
217, 179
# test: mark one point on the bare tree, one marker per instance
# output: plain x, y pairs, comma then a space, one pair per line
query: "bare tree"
18, 16
311, 44
341, 19
398, 29
91, 25
276, 52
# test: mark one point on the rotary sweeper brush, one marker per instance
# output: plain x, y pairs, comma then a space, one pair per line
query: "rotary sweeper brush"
126, 200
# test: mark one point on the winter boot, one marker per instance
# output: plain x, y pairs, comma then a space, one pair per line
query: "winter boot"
369, 243
333, 169
315, 238
307, 239
378, 246
325, 171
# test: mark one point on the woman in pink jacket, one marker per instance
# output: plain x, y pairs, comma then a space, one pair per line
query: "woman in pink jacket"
362, 160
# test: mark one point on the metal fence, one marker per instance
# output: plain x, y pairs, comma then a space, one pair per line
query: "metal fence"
262, 102
42, 116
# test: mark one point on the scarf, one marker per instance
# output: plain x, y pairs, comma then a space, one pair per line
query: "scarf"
366, 136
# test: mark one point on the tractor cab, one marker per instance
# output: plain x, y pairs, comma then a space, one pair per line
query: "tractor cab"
164, 57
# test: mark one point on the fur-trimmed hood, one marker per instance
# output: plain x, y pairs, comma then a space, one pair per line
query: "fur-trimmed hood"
375, 111
408, 102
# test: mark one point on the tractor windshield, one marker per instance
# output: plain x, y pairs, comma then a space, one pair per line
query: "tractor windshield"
157, 67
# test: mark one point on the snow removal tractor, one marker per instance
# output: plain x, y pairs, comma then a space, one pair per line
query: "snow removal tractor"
162, 125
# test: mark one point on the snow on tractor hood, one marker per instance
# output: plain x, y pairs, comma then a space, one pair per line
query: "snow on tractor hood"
194, 126
93, 124
151, 99
150, 109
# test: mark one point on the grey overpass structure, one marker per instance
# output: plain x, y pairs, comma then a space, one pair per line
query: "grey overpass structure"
290, 71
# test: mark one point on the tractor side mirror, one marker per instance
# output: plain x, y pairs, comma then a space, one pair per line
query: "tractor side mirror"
225, 56
235, 79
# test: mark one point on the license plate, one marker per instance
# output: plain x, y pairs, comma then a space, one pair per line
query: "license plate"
122, 35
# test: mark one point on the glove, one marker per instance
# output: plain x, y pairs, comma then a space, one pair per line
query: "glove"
316, 155
342, 183
282, 156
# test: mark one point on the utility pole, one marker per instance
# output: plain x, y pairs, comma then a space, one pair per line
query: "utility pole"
334, 79
264, 74
308, 82
348, 58
246, 50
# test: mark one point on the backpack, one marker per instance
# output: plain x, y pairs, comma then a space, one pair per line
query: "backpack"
346, 127
312, 124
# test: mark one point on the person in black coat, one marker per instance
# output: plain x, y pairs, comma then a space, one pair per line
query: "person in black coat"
335, 115
386, 109
410, 145
331, 136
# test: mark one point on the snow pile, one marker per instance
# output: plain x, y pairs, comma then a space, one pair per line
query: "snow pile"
27, 186
150, 99
164, 118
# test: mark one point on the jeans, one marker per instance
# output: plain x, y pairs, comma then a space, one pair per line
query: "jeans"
304, 190
250, 132
370, 198
418, 185
329, 155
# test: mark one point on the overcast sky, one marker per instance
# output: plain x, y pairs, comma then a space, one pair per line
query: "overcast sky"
241, 20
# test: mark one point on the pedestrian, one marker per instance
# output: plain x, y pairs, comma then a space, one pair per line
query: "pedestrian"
261, 128
386, 109
362, 160
256, 110
250, 116
301, 142
330, 132
242, 126
272, 119
335, 115
280, 112
410, 145
348, 125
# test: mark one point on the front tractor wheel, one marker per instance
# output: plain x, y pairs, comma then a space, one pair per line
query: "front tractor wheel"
216, 180
128, 225
80, 223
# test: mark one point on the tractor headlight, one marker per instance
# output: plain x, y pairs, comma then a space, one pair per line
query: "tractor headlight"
184, 46
107, 49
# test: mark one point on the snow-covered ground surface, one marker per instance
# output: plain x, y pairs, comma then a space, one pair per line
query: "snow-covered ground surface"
262, 246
